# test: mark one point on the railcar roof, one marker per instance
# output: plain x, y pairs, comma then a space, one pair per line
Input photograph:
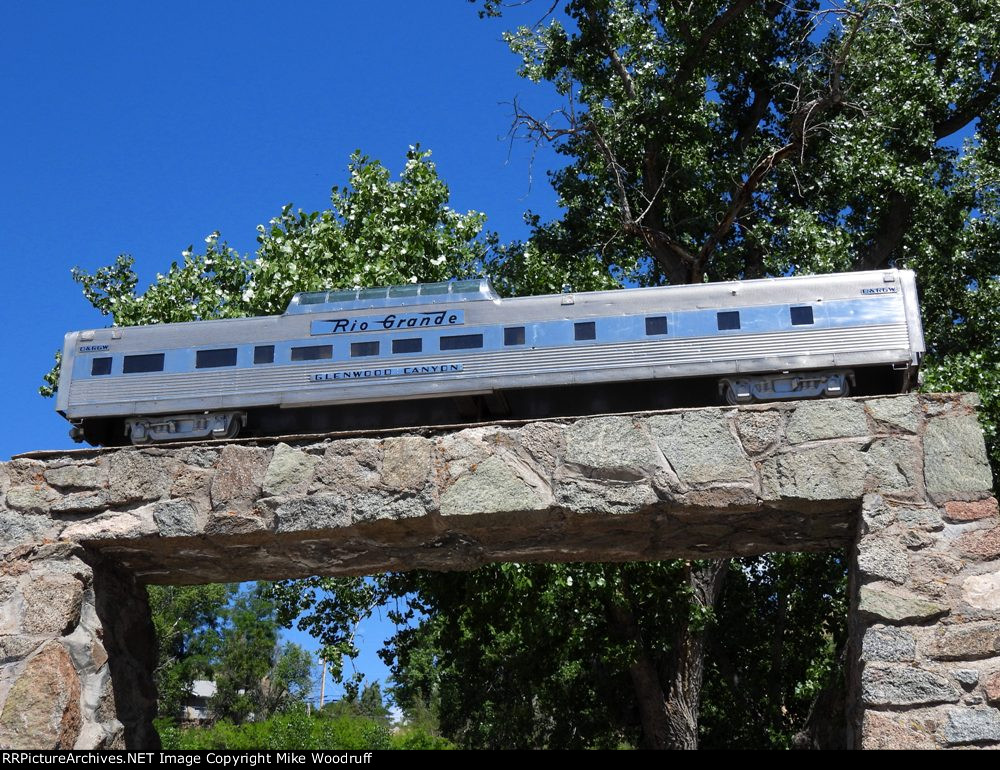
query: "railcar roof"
392, 296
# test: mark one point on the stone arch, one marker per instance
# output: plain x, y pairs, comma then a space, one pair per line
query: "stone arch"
902, 481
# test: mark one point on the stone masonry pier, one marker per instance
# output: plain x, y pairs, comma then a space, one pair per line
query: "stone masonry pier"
902, 482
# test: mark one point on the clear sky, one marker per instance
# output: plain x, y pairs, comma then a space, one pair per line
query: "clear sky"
141, 128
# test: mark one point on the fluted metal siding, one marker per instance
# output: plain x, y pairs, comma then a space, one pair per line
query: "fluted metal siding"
693, 354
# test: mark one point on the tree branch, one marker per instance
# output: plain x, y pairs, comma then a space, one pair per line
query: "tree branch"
687, 64
971, 110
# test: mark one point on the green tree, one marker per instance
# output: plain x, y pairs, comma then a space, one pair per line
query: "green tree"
742, 139
187, 620
377, 231
254, 675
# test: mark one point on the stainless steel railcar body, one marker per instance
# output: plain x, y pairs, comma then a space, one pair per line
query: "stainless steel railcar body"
460, 339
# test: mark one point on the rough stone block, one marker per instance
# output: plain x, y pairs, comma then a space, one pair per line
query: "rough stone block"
955, 462
897, 607
981, 544
833, 472
231, 523
239, 474
381, 505
958, 510
982, 591
493, 486
926, 519
894, 465
967, 677
77, 477
136, 476
406, 462
111, 526
52, 603
15, 647
290, 471
604, 497
759, 430
315, 512
888, 731
967, 641
174, 518
917, 540
886, 684
972, 726
34, 498
896, 412
886, 643
81, 502
22, 529
882, 558
349, 465
991, 688
611, 447
42, 710
819, 420
701, 447
876, 513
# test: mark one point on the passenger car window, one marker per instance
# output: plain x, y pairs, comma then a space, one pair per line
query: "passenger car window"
462, 341
656, 325
312, 353
100, 366
728, 320
263, 354
210, 359
513, 335
585, 330
146, 362
359, 349
801, 316
413, 345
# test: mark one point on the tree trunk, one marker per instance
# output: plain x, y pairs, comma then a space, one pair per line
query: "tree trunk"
684, 695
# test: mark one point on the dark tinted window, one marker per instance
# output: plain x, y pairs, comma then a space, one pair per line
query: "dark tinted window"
656, 325
312, 353
364, 349
462, 341
513, 335
100, 366
263, 354
149, 362
209, 359
585, 330
414, 345
802, 316
730, 319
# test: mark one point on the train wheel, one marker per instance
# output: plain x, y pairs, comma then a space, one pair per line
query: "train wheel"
845, 390
234, 428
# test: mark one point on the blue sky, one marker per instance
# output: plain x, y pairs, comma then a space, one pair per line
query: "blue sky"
142, 128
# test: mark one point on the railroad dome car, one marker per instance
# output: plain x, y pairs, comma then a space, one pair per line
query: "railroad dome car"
448, 352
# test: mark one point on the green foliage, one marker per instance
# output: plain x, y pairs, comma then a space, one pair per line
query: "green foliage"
187, 621
255, 677
533, 655
703, 141
377, 232
214, 632
727, 140
333, 730
294, 730
782, 621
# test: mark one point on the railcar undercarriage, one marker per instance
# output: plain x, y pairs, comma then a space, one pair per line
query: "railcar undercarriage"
528, 403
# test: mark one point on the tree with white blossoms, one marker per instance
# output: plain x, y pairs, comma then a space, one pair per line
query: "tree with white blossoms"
377, 232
